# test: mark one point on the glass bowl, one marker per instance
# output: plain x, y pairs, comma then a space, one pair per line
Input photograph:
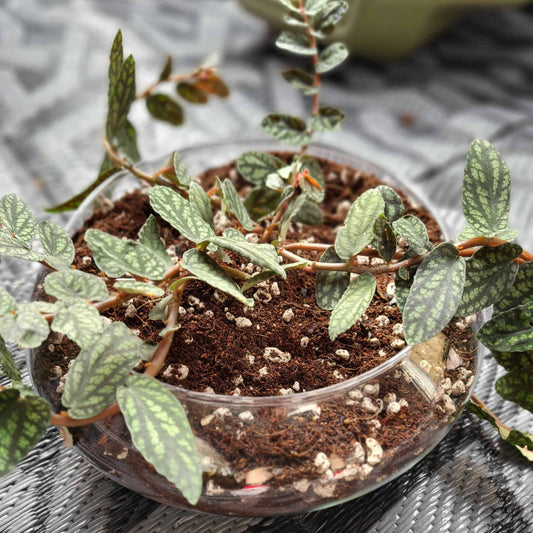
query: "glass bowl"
377, 425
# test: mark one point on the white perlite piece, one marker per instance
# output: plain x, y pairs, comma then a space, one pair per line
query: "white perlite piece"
243, 322
237, 380
390, 290
368, 405
397, 343
275, 355
131, 311
206, 420
296, 386
220, 297
358, 454
193, 300
403, 403
393, 408
343, 354
447, 405
426, 366
262, 295
397, 330
263, 371
168, 372
181, 311
373, 427
382, 321
230, 316
250, 358
374, 451
246, 416
371, 389
301, 485
209, 313
86, 260
322, 462
304, 342
446, 384
288, 315
389, 397
325, 491
274, 289
458, 388
221, 412
258, 476
182, 372
285, 392
356, 395
338, 375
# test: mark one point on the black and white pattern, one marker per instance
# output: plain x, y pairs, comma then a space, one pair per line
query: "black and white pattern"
414, 117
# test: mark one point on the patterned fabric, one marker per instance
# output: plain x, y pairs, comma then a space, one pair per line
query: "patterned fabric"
414, 117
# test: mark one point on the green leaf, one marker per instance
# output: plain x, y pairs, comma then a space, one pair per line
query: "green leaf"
331, 57
191, 93
300, 80
164, 108
149, 237
56, 241
330, 286
521, 291
126, 142
414, 231
16, 218
12, 247
328, 118
264, 255
295, 42
201, 203
401, 290
256, 166
486, 189
352, 304
358, 229
99, 369
514, 360
292, 5
159, 311
78, 320
117, 256
312, 6
385, 238
330, 15
287, 129
180, 169
180, 214
23, 422
517, 387
7, 302
75, 284
121, 96
316, 194
131, 286
161, 432
116, 60
490, 273
308, 213
394, 208
206, 269
7, 362
262, 201
167, 69
521, 441
236, 205
435, 294
510, 331
27, 327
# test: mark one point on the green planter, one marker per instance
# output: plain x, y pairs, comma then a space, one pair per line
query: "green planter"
386, 29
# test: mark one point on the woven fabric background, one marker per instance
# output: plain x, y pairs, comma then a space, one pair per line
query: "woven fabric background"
414, 117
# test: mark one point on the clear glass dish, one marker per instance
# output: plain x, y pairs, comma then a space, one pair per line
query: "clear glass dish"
404, 407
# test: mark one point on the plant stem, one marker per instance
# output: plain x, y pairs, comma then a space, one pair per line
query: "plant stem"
313, 44
174, 78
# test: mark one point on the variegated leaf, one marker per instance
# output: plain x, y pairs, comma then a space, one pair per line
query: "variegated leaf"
401, 290
358, 229
287, 129
98, 370
394, 208
328, 118
78, 320
27, 327
514, 360
161, 432
315, 188
330, 286
332, 56
201, 203
385, 238
23, 421
352, 304
521, 291
295, 42
117, 256
263, 255
121, 96
330, 15
308, 213
414, 232
180, 170
486, 189
435, 294
300, 80
16, 218
180, 214
56, 241
75, 284
190, 92
7, 362
149, 237
256, 166
131, 286
510, 331
262, 201
517, 387
164, 108
13, 247
236, 205
206, 269
7, 302
489, 275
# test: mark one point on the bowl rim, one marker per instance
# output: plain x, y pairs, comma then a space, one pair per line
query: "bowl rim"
324, 151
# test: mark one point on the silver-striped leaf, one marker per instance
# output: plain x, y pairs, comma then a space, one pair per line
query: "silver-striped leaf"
16, 218
521, 290
206, 269
358, 229
149, 237
352, 304
330, 286
161, 432
235, 204
287, 129
75, 284
490, 273
201, 203
256, 166
385, 238
98, 370
27, 327
56, 241
332, 56
514, 360
180, 214
131, 286
295, 42
414, 232
180, 170
330, 15
316, 194
394, 208
328, 118
7, 362
7, 302
517, 387
300, 80
13, 247
435, 294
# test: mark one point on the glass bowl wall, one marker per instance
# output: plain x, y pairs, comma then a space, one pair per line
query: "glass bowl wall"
245, 473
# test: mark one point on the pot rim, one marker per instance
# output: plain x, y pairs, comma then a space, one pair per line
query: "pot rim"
324, 151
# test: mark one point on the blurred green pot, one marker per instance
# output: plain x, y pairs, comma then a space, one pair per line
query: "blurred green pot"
386, 29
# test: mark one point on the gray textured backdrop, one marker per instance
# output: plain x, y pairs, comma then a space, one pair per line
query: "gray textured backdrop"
475, 81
